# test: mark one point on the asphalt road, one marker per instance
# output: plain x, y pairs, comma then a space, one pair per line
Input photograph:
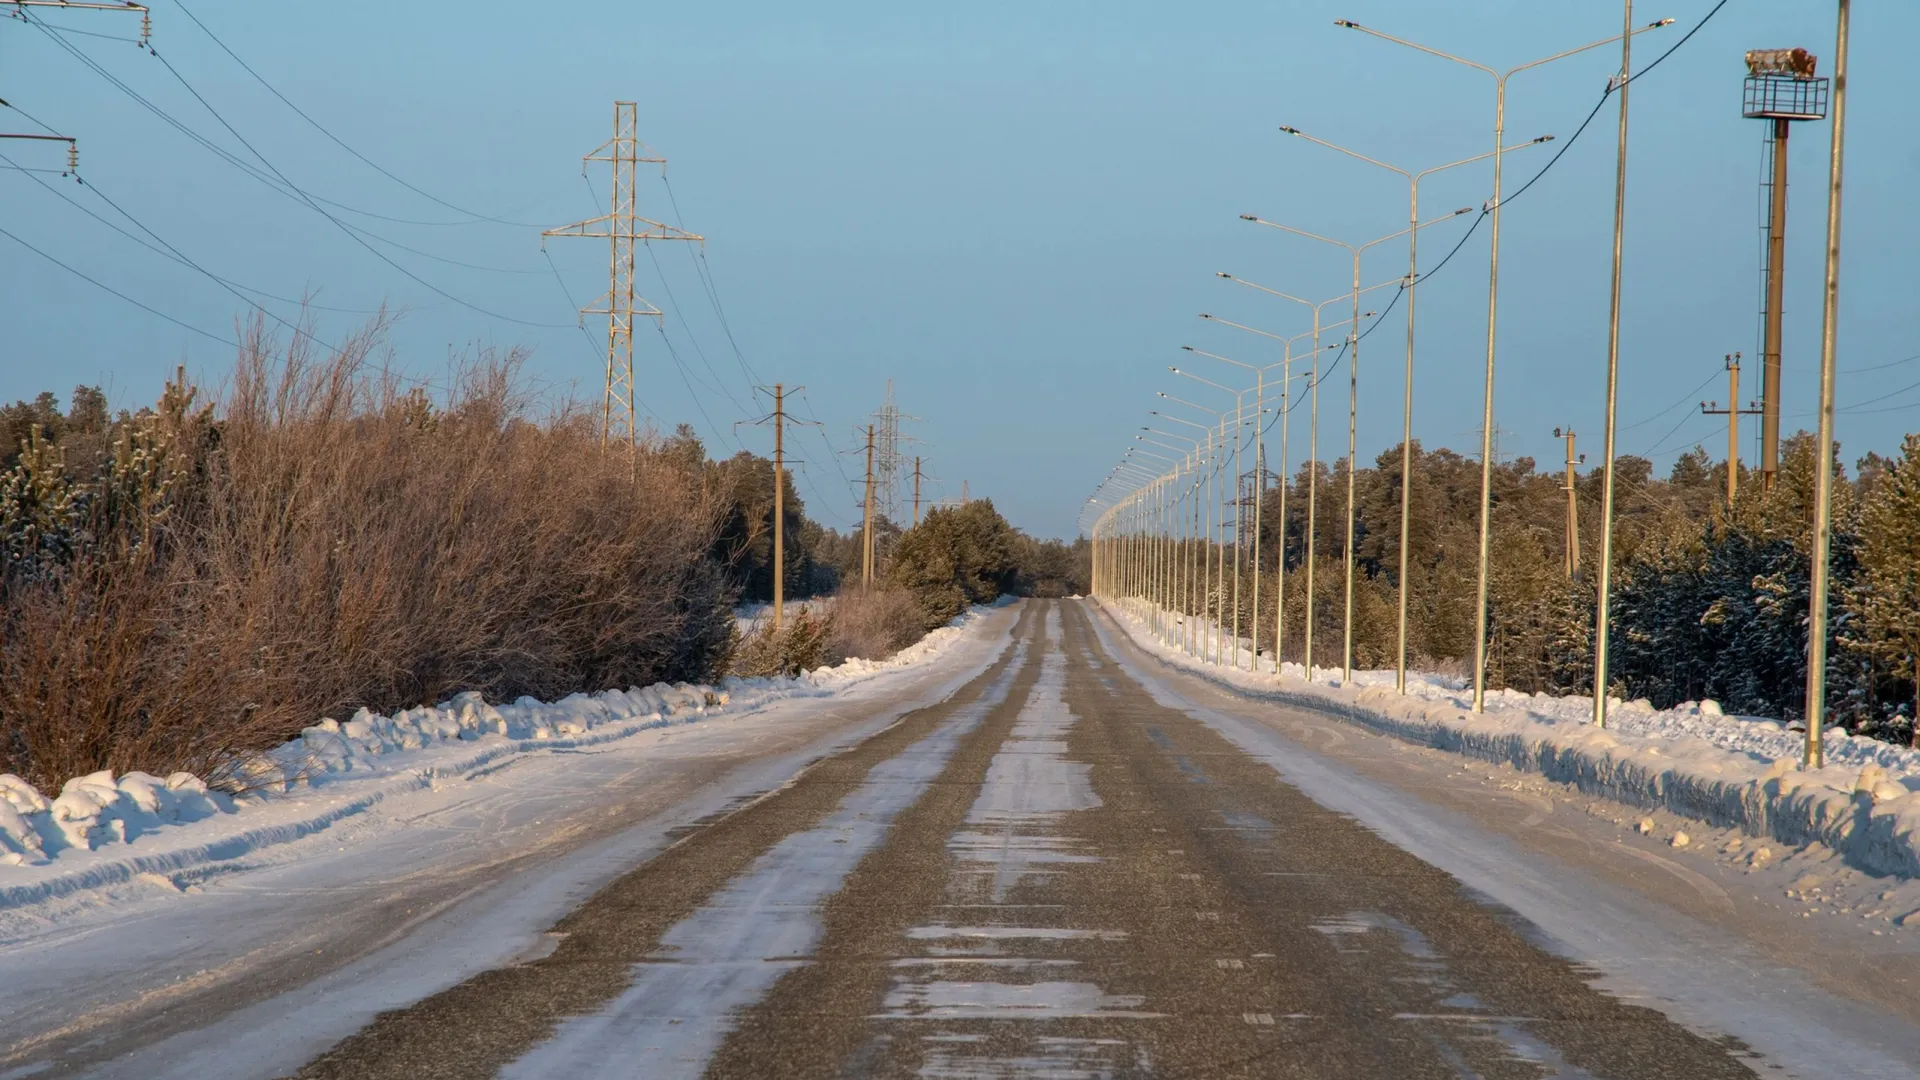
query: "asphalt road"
1048, 874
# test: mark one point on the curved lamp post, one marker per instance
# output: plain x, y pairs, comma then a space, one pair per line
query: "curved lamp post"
1353, 394
1493, 310
1406, 416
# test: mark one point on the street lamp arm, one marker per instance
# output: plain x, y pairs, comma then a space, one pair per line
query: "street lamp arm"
1216, 356
1351, 25
1655, 25
1209, 382
1348, 296
1188, 404
1177, 419
1297, 232
1160, 457
1482, 157
1237, 326
1450, 215
1297, 133
1171, 435
1262, 288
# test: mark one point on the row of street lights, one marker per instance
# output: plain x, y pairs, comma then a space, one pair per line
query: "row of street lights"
1133, 502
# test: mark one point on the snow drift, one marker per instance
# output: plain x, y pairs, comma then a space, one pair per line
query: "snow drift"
103, 830
1730, 771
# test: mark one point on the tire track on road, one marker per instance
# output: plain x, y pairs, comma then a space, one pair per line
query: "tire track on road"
476, 1028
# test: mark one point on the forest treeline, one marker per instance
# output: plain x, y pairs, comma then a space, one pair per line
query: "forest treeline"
190, 583
1710, 600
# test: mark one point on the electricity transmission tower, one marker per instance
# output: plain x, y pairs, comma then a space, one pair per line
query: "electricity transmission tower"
889, 464
622, 227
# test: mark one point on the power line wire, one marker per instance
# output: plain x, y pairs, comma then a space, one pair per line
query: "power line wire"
1613, 85
348, 230
673, 302
705, 271
1880, 367
337, 141
282, 184
160, 247
116, 292
1682, 401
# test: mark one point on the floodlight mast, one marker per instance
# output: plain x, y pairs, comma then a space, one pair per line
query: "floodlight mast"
1780, 87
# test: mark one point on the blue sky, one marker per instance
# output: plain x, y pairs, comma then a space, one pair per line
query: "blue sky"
1013, 210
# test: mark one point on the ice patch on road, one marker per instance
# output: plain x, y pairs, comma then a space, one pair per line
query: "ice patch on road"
953, 1000
729, 952
1058, 1058
1030, 786
1008, 933
1017, 829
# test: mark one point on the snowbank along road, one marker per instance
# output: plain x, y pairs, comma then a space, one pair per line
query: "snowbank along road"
1083, 863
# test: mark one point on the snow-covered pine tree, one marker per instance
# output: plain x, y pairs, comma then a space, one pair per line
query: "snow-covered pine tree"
1887, 591
37, 511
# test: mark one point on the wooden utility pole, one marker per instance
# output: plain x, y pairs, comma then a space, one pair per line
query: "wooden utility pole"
778, 417
1573, 506
866, 528
916, 492
1733, 412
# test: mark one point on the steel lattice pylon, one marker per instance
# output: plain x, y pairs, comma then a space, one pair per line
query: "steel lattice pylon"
622, 226
888, 461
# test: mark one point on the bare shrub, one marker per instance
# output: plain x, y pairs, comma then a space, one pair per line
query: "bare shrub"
798, 646
340, 540
873, 624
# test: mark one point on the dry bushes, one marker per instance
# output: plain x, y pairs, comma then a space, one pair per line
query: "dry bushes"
874, 624
327, 539
797, 647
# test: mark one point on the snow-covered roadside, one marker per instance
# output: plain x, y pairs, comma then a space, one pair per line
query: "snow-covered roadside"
102, 830
1751, 972
1735, 772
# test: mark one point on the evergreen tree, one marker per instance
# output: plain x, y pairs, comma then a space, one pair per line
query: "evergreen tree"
1886, 596
956, 556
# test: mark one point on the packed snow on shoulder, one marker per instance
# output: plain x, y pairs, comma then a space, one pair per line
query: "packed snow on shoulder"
339, 768
1693, 759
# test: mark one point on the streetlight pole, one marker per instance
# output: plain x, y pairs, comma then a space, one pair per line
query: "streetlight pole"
1202, 523
1259, 410
1192, 457
1603, 607
1239, 437
1171, 514
1286, 380
1313, 451
1814, 754
1353, 396
1406, 415
1493, 311
1149, 518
